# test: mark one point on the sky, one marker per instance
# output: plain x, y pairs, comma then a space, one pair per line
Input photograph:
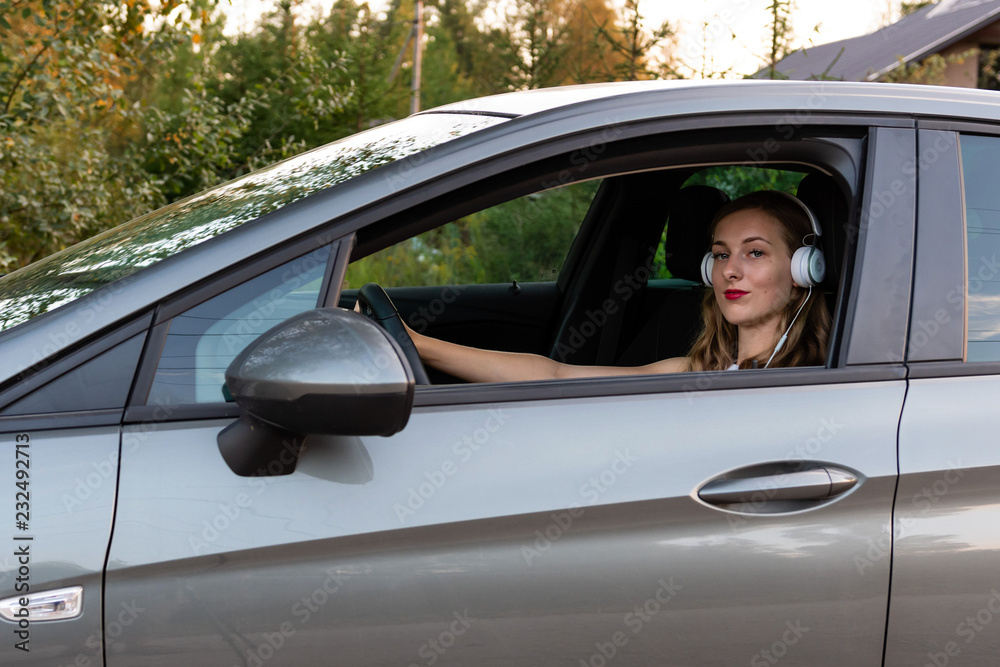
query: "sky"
705, 27
814, 21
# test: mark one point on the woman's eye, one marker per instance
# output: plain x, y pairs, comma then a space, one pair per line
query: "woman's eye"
756, 253
721, 255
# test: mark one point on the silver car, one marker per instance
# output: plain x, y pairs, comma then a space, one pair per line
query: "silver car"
211, 460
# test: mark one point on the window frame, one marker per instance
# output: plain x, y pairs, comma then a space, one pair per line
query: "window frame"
944, 198
503, 176
848, 369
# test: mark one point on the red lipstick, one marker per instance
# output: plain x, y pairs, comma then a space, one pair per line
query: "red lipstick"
733, 294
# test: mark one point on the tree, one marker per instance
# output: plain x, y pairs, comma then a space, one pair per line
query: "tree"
989, 69
64, 70
780, 29
109, 109
528, 49
449, 58
930, 70
907, 8
457, 24
631, 43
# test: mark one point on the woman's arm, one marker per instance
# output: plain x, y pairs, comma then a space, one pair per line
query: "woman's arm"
476, 365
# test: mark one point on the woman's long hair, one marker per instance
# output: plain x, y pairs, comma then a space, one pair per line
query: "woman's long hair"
716, 347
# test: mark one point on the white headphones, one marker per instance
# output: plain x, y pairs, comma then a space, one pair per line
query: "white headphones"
808, 263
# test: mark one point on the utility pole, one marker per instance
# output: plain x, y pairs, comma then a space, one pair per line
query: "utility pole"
418, 44
417, 35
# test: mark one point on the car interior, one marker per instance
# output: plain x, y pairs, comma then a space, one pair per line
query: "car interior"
628, 291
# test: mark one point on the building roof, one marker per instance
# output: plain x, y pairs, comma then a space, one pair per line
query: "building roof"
912, 38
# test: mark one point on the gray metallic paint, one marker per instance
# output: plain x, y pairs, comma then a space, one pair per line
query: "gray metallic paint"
885, 232
72, 485
326, 351
946, 553
946, 527
938, 322
399, 578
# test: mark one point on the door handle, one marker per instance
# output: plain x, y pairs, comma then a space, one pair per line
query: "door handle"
813, 484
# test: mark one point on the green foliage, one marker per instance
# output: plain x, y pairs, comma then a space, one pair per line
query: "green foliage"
524, 239
111, 108
447, 75
630, 43
907, 8
63, 71
527, 239
244, 103
737, 181
527, 49
931, 70
541, 43
989, 69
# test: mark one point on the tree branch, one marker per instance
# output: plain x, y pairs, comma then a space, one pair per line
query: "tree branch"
31, 63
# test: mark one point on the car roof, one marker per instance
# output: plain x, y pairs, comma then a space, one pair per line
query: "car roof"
524, 102
716, 95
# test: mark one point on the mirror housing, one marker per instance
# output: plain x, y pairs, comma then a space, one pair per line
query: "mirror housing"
327, 371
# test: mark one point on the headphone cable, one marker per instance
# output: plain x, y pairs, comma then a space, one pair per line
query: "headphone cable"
784, 336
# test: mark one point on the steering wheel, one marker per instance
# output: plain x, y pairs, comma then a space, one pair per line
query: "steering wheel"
376, 305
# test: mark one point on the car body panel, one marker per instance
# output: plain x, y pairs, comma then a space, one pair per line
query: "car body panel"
887, 224
945, 526
938, 322
946, 556
72, 481
802, 97
513, 516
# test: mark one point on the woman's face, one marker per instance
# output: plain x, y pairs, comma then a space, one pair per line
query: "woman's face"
752, 273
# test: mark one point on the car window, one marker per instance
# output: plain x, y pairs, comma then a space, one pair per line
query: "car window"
617, 302
202, 341
980, 165
525, 239
101, 383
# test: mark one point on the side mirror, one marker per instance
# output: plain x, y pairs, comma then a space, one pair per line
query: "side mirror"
327, 371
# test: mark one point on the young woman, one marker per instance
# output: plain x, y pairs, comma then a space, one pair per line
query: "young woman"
755, 315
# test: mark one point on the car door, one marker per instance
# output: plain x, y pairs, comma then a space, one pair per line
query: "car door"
945, 601
60, 426
710, 518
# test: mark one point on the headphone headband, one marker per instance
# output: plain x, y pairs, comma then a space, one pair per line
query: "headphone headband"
801, 204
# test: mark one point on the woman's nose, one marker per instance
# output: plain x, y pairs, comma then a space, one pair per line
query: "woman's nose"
731, 268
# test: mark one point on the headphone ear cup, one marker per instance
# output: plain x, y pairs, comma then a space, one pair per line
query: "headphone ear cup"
707, 262
808, 266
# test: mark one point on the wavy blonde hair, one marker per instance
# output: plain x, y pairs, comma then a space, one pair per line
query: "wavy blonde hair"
716, 347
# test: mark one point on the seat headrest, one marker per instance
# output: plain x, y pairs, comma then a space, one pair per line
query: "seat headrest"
689, 218
824, 199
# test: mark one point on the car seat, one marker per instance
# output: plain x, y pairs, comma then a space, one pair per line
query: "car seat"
673, 317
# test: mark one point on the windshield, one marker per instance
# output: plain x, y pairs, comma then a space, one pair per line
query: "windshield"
119, 252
